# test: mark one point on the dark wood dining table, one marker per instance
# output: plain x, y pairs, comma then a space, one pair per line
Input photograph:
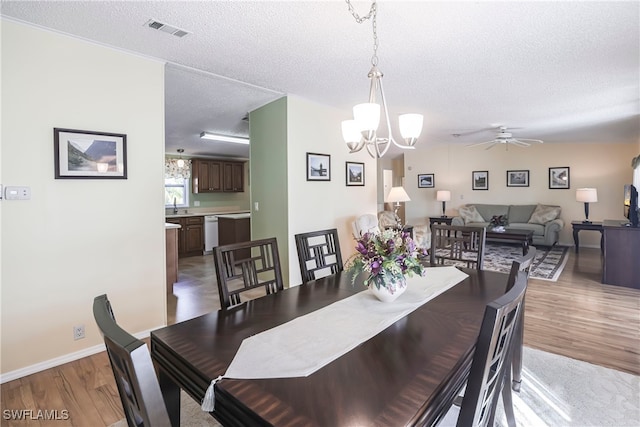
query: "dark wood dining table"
408, 374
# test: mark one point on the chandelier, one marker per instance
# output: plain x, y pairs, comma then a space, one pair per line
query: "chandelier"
362, 130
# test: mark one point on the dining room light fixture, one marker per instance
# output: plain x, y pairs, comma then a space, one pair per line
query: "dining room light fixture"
224, 138
362, 131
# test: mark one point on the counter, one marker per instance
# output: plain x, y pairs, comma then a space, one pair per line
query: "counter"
235, 216
183, 213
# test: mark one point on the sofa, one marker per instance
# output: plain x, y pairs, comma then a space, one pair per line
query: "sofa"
543, 220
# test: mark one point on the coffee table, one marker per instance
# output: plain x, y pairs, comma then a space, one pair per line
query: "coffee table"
517, 235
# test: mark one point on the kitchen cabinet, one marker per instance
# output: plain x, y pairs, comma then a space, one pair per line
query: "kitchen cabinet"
212, 176
206, 176
190, 235
233, 177
235, 229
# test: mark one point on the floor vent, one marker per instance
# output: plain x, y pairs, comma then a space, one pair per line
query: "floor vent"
166, 28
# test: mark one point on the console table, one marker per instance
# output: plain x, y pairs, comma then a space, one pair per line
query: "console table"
621, 249
593, 226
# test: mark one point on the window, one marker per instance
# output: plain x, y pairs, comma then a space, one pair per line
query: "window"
175, 189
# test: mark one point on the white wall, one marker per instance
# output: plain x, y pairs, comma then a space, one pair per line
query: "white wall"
77, 238
318, 205
282, 133
603, 166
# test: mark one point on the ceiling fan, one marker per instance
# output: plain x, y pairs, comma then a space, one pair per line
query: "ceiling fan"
504, 137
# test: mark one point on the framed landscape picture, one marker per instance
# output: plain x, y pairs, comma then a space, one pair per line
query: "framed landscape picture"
83, 154
426, 180
355, 174
518, 178
559, 178
318, 167
480, 180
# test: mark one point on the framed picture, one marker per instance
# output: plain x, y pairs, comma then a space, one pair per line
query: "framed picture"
480, 180
518, 178
426, 180
355, 174
83, 154
559, 178
318, 167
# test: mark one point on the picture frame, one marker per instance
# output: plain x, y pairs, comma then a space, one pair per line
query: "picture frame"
318, 167
518, 178
559, 178
354, 174
480, 180
84, 154
426, 180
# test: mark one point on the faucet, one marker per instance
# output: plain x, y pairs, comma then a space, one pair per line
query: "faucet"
175, 208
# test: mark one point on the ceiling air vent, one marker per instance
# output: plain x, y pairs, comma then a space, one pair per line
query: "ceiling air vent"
166, 28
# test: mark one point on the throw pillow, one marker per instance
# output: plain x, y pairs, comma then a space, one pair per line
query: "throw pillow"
470, 214
544, 214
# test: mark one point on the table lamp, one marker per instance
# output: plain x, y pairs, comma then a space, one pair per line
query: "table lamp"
586, 195
397, 195
443, 196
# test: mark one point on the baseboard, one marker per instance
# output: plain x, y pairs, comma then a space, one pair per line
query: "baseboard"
61, 360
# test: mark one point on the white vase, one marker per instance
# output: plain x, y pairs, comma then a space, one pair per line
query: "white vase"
384, 293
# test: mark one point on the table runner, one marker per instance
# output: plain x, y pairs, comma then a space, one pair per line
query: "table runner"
305, 344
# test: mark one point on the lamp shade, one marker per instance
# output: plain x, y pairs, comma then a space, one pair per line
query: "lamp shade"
367, 116
587, 195
410, 125
397, 194
443, 195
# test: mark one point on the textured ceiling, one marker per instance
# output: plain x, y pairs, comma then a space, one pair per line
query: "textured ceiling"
560, 71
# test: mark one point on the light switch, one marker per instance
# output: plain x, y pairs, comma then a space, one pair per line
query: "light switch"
256, 206
17, 193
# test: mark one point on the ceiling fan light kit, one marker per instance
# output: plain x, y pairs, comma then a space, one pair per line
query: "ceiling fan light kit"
506, 138
361, 132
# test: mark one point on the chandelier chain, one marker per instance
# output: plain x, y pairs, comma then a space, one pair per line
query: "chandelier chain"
371, 15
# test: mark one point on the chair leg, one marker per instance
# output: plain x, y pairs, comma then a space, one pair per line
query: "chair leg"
507, 401
516, 360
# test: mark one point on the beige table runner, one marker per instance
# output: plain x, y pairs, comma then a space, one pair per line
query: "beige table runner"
303, 345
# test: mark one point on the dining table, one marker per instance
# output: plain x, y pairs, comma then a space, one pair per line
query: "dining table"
407, 374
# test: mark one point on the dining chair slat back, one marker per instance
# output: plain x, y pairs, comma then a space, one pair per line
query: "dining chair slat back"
244, 266
133, 370
522, 264
490, 367
457, 245
318, 254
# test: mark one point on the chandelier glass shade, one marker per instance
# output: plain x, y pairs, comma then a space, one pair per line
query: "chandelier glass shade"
362, 130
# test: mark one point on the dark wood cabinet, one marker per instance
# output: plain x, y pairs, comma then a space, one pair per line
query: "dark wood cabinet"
206, 176
233, 177
621, 249
234, 230
190, 235
212, 176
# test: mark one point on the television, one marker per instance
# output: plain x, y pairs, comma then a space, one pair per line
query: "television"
631, 204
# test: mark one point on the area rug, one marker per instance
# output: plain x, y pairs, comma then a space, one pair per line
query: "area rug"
548, 264
190, 415
560, 392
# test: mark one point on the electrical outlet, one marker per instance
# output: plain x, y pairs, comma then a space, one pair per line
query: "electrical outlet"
78, 332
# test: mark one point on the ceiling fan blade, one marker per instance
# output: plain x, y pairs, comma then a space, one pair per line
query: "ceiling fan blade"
527, 140
493, 141
492, 145
520, 143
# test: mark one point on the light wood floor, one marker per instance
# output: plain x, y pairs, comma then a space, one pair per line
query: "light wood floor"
576, 316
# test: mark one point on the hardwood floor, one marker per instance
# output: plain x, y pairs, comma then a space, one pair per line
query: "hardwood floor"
576, 316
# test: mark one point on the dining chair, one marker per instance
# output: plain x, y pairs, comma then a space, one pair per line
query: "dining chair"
247, 266
318, 254
490, 373
522, 264
457, 245
133, 370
